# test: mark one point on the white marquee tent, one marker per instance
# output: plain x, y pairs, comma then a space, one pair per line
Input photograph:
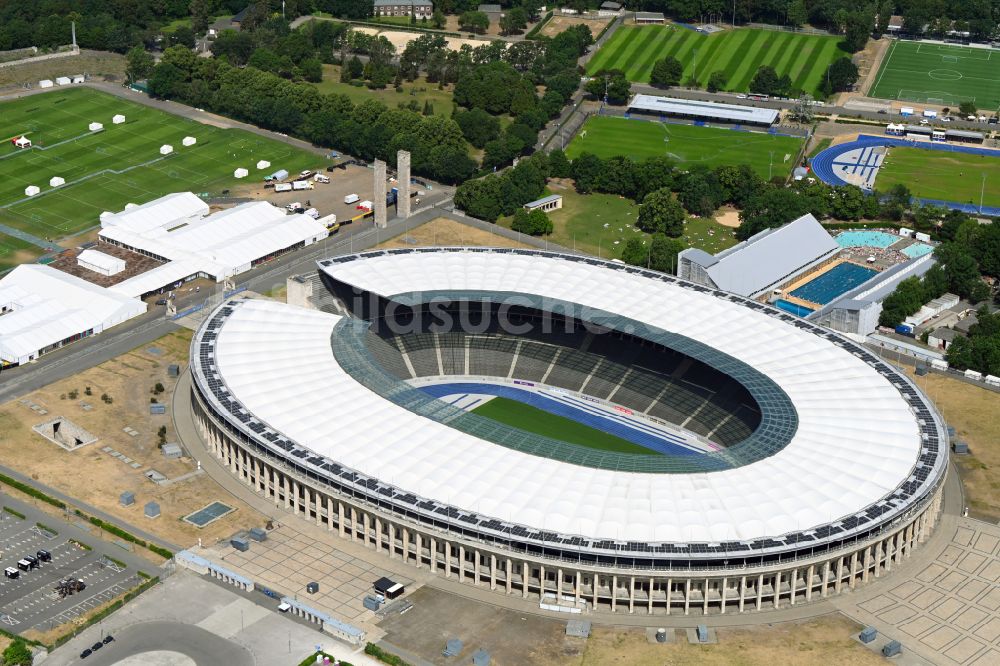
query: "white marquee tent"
45, 83
99, 262
118, 119
240, 173
22, 142
48, 307
263, 164
56, 181
166, 149
31, 190
94, 127
189, 141
63, 80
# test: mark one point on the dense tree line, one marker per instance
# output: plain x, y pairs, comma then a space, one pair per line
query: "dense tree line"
506, 192
932, 17
981, 350
369, 130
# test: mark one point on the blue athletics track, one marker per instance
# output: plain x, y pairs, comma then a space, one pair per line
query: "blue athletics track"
855, 157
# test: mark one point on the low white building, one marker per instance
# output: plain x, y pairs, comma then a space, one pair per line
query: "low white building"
56, 181
99, 262
43, 309
178, 230
118, 119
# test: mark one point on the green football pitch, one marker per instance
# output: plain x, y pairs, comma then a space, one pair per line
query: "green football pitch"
738, 53
121, 164
525, 417
939, 74
609, 136
947, 176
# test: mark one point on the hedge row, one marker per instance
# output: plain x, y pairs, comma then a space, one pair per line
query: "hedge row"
31, 491
311, 659
14, 512
383, 656
127, 536
538, 26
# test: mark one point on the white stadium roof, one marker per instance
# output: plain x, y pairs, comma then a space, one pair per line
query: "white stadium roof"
49, 306
672, 106
857, 439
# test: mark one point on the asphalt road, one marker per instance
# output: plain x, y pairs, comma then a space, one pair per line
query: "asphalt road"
203, 647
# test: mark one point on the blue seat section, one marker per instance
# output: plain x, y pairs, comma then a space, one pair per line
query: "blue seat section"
577, 410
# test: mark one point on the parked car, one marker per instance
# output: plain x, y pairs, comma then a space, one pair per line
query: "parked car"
86, 653
108, 639
161, 301
305, 174
96, 646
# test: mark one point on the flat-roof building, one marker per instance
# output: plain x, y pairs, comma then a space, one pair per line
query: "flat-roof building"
99, 262
649, 18
551, 202
42, 309
763, 262
699, 110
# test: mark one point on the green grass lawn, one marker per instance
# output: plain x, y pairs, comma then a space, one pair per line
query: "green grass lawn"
939, 73
14, 251
57, 123
738, 53
934, 174
608, 136
541, 422
599, 224
419, 90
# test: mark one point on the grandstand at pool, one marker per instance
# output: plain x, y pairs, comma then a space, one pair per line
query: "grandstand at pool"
865, 238
830, 284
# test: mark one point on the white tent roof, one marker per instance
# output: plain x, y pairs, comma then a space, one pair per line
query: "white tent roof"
218, 245
856, 441
101, 260
49, 306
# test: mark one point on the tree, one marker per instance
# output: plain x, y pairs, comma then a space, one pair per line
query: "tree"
666, 72
513, 21
438, 19
234, 46
182, 36
797, 13
857, 30
201, 14
478, 127
311, 70
771, 207
767, 82
658, 253
17, 654
841, 76
355, 68
472, 21
533, 223
967, 108
610, 85
587, 169
138, 64
661, 213
717, 81
559, 166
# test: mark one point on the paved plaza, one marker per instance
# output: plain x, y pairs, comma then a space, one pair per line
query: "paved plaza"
947, 610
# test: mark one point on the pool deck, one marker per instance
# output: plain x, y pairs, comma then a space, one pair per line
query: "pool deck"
786, 291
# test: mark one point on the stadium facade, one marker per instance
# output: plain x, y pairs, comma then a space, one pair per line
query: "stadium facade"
822, 466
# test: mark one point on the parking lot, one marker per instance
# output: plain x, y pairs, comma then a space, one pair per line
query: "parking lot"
31, 601
328, 198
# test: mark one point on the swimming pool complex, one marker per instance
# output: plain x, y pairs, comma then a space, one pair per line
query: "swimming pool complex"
917, 250
838, 280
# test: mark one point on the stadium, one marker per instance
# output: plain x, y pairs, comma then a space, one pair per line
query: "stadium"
780, 462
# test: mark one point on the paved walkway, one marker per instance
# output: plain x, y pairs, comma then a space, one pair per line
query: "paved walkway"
46, 245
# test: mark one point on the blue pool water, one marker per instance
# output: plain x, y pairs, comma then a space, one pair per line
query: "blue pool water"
794, 308
836, 281
862, 238
917, 250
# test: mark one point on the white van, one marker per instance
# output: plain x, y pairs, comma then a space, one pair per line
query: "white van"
292, 206
320, 178
313, 213
351, 198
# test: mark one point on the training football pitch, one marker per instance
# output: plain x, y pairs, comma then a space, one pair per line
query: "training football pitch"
738, 53
946, 176
120, 164
688, 145
532, 419
939, 74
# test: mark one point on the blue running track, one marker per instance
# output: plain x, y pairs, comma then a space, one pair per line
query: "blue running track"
825, 163
578, 410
